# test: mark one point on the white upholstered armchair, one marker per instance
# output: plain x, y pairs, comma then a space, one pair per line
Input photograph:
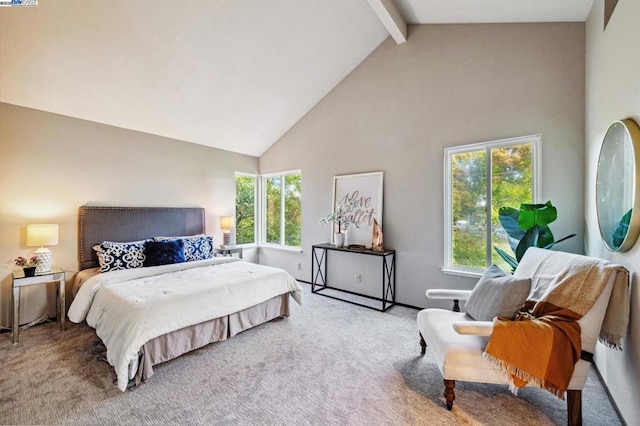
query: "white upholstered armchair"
457, 341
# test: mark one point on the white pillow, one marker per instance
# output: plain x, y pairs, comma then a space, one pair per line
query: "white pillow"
497, 294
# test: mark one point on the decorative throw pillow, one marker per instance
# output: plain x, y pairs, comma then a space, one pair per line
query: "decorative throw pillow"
113, 256
497, 294
196, 247
163, 252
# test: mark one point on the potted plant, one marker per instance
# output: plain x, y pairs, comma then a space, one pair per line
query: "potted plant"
28, 265
527, 227
342, 219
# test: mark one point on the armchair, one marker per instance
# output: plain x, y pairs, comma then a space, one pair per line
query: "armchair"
457, 341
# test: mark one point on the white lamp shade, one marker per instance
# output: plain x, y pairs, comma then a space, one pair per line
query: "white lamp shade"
42, 235
226, 222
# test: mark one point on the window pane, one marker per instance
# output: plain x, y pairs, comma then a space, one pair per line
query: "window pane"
511, 185
245, 209
273, 191
469, 207
293, 213
470, 188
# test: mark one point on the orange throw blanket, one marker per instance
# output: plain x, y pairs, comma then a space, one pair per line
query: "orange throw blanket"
542, 345
527, 348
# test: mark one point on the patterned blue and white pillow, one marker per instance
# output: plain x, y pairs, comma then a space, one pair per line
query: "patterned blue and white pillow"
114, 256
196, 247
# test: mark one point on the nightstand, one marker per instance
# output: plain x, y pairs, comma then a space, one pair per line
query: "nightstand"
228, 251
19, 280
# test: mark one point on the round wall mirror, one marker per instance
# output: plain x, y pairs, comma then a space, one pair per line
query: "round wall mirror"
617, 204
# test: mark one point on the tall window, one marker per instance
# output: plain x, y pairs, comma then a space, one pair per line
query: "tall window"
246, 208
479, 179
282, 196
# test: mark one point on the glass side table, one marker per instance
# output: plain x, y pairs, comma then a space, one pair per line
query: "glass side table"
228, 251
19, 280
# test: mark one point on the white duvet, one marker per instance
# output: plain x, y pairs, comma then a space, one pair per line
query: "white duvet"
130, 307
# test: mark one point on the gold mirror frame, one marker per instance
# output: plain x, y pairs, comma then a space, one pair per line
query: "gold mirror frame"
617, 183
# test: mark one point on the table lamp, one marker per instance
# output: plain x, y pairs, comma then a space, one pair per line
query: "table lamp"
226, 224
42, 235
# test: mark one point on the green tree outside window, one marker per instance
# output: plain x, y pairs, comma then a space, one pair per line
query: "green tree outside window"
245, 209
497, 172
283, 205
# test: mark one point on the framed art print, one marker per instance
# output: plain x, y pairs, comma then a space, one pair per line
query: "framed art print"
363, 193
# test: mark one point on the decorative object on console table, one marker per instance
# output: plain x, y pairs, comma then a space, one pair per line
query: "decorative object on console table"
28, 265
377, 242
356, 247
340, 219
227, 225
363, 194
42, 235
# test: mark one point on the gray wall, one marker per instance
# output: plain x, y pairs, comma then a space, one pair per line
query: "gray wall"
448, 85
612, 93
51, 164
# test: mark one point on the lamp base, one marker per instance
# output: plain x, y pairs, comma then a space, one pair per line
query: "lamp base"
226, 238
44, 256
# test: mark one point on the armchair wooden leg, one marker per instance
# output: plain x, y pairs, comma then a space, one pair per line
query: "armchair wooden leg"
423, 345
449, 394
574, 407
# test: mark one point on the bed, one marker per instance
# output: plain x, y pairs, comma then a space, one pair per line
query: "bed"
148, 315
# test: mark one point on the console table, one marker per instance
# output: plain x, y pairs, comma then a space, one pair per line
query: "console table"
319, 266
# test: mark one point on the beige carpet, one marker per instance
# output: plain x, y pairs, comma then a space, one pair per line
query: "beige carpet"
330, 363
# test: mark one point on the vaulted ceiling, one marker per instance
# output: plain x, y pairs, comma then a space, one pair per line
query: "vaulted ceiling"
231, 74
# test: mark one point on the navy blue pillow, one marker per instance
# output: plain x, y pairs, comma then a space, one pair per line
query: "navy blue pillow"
163, 252
196, 247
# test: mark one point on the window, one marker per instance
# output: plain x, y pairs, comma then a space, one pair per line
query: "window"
282, 212
479, 179
246, 208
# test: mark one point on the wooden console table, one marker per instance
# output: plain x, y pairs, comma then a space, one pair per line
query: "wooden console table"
319, 261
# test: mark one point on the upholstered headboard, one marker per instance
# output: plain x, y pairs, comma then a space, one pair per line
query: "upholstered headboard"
98, 224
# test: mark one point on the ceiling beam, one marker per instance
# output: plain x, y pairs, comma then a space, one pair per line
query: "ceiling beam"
390, 18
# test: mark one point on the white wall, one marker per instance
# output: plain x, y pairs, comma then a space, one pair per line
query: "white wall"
613, 93
448, 85
51, 164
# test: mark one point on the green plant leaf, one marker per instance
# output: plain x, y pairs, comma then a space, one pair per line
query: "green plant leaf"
536, 215
508, 218
511, 261
530, 239
527, 227
545, 237
559, 241
621, 230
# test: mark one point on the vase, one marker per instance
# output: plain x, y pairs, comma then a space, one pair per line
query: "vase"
339, 239
30, 271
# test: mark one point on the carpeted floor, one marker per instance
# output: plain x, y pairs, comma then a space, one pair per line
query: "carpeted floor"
329, 363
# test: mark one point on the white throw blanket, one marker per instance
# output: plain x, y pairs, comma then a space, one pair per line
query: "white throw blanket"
130, 307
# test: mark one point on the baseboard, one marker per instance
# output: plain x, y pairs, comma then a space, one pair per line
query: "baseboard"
606, 389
